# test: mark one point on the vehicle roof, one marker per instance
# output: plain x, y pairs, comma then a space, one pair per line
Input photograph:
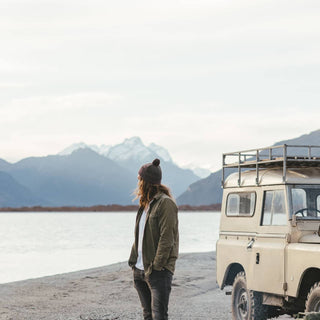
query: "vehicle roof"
274, 176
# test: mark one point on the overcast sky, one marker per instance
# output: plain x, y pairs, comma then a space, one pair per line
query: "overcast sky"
198, 77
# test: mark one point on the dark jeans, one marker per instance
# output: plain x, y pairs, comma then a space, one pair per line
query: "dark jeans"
153, 292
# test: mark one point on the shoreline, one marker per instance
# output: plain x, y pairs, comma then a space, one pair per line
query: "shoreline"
104, 208
88, 269
107, 293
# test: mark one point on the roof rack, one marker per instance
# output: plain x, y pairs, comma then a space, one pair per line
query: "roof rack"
283, 156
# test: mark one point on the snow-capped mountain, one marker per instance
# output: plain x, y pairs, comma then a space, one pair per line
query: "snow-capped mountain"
132, 153
77, 146
73, 147
162, 152
103, 149
131, 149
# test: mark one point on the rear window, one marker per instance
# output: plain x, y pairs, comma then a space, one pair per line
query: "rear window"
241, 204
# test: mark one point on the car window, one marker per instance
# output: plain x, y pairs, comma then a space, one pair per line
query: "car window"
267, 209
279, 216
274, 210
241, 203
299, 199
306, 202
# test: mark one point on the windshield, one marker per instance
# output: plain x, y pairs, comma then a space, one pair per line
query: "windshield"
306, 201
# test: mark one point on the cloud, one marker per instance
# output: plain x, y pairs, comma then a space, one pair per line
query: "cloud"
7, 85
190, 136
21, 108
202, 138
197, 76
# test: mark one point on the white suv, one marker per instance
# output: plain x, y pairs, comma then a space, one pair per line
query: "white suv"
269, 243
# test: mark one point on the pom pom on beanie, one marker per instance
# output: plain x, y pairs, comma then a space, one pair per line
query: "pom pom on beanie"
151, 172
156, 162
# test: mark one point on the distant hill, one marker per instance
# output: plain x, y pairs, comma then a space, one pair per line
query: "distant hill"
13, 194
313, 138
84, 175
203, 192
83, 178
208, 191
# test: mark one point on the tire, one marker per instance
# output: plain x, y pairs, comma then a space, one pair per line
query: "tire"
272, 312
246, 304
313, 299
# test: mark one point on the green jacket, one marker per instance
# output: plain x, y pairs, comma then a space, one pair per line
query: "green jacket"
160, 244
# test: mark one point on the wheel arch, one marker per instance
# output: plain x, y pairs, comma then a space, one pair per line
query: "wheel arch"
309, 277
232, 270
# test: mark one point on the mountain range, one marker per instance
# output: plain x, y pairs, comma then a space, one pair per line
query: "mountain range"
86, 175
208, 191
132, 153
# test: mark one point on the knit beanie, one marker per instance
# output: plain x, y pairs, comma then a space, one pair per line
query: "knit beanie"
151, 172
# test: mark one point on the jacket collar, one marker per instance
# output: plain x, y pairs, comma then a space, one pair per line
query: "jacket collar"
152, 202
157, 196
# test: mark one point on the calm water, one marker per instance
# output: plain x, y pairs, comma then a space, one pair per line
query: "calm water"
38, 244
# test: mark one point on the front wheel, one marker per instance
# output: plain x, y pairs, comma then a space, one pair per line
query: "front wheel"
246, 304
313, 299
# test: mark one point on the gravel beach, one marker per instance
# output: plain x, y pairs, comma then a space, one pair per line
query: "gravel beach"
107, 293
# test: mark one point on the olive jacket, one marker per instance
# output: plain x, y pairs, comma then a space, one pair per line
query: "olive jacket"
160, 244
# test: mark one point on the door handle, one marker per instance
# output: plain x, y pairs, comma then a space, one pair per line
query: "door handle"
250, 244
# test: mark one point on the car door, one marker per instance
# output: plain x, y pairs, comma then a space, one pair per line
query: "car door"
268, 247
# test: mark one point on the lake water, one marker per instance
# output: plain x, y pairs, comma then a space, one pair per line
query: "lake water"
39, 244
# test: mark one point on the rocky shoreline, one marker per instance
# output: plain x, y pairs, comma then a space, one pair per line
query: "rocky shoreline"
107, 293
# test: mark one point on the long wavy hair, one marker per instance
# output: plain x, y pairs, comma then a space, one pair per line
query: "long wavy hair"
146, 191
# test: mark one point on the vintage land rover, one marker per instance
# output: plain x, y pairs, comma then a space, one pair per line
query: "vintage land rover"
269, 242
